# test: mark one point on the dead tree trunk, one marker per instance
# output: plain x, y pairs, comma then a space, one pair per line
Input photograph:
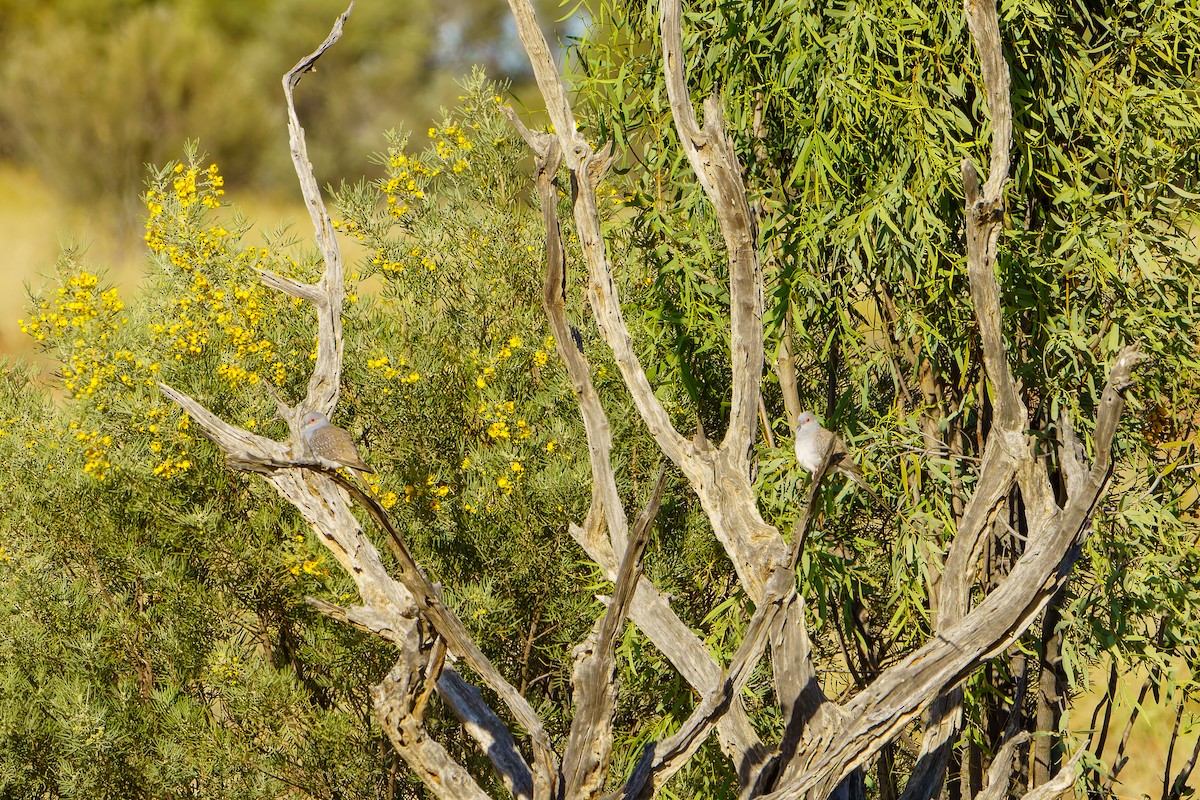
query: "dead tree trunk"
825, 744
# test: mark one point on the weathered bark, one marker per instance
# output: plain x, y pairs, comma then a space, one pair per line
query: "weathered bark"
718, 474
393, 700
662, 760
589, 748
824, 746
648, 610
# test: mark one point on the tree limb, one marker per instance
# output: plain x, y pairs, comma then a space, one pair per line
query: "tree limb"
587, 167
393, 702
606, 498
879, 713
447, 624
662, 760
588, 753
389, 608
488, 731
711, 152
326, 379
1063, 780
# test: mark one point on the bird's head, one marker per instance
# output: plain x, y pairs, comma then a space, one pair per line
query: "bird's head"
315, 419
805, 419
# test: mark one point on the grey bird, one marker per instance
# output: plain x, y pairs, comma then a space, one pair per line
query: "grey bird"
812, 441
331, 443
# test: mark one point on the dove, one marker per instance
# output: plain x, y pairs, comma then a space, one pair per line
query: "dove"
812, 440
331, 443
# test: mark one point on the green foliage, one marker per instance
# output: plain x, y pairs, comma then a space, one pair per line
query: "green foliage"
851, 121
453, 362
157, 642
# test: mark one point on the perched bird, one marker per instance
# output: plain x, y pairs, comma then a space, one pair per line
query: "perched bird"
331, 443
812, 441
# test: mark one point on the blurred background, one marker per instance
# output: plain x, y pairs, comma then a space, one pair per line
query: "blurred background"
91, 91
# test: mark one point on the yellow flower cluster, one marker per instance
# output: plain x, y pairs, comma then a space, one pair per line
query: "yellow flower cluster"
504, 426
185, 186
508, 480
81, 321
95, 447
225, 305
452, 146
79, 307
300, 559
89, 370
430, 494
383, 367
386, 499
190, 187
169, 468
498, 414
405, 183
311, 567
77, 317
350, 227
514, 343
155, 422
388, 264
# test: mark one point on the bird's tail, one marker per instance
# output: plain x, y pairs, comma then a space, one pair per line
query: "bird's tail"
874, 497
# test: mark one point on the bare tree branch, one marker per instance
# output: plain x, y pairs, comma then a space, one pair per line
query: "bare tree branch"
326, 379
488, 731
1071, 456
662, 760
648, 609
605, 497
1063, 780
1185, 772
587, 167
292, 288
393, 700
1002, 767
880, 712
588, 753
714, 159
785, 369
1006, 447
